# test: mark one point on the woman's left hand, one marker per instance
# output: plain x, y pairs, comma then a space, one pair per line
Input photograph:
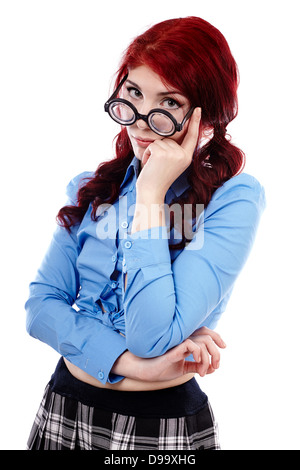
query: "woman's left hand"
164, 160
203, 345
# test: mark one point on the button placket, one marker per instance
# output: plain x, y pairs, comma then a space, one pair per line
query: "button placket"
101, 375
124, 267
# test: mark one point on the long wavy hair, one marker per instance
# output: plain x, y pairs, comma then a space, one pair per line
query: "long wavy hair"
192, 56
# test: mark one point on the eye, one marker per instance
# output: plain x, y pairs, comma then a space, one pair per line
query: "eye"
134, 93
170, 103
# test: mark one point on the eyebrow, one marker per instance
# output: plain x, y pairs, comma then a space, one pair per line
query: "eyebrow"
162, 93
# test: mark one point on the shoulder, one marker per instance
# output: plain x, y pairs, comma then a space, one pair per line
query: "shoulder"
240, 201
76, 183
242, 187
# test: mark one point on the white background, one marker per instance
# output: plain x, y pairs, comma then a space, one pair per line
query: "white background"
57, 60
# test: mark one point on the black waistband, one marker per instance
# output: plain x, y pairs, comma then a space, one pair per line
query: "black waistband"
182, 400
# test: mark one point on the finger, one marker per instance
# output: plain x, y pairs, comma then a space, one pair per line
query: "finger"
190, 367
205, 362
193, 367
214, 353
146, 155
155, 146
190, 140
210, 370
211, 348
192, 348
184, 350
213, 334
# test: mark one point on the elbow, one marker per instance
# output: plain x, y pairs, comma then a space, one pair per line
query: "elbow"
31, 313
142, 348
42, 306
151, 341
35, 312
140, 351
135, 347
139, 347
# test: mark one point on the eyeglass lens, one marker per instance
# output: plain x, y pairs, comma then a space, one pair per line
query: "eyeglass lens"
125, 115
122, 113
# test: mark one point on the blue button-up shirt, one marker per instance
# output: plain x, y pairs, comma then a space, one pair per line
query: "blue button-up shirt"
78, 304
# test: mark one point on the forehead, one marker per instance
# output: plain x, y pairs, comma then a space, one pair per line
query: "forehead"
149, 81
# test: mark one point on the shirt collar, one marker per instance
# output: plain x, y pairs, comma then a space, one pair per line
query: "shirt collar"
177, 188
132, 169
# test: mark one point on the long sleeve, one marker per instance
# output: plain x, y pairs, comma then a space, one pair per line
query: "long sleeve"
165, 302
53, 319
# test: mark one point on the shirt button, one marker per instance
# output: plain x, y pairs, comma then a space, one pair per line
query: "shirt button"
127, 244
124, 224
114, 285
100, 375
113, 258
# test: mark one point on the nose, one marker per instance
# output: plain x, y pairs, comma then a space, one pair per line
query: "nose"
141, 124
143, 109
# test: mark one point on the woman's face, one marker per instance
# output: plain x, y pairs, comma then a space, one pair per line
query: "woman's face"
145, 90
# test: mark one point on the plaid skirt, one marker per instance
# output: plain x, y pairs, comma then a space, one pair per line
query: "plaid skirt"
74, 415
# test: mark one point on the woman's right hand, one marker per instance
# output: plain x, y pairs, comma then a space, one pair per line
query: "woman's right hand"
203, 345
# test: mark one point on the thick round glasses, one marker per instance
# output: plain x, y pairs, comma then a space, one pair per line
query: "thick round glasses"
160, 121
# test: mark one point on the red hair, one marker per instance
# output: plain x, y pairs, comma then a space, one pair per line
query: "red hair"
193, 56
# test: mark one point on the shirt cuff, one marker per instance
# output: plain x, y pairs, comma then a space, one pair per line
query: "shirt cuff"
145, 248
97, 364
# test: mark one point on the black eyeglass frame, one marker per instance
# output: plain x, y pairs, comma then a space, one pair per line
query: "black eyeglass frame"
145, 117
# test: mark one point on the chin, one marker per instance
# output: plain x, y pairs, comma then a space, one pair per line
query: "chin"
138, 152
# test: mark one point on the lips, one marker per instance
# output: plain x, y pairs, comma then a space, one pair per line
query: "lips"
143, 142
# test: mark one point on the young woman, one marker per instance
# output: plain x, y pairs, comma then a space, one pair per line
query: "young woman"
146, 254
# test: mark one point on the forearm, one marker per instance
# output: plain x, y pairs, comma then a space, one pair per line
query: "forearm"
171, 298
149, 211
74, 335
129, 366
203, 346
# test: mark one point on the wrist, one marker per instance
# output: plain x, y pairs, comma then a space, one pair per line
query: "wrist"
149, 212
128, 365
148, 196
